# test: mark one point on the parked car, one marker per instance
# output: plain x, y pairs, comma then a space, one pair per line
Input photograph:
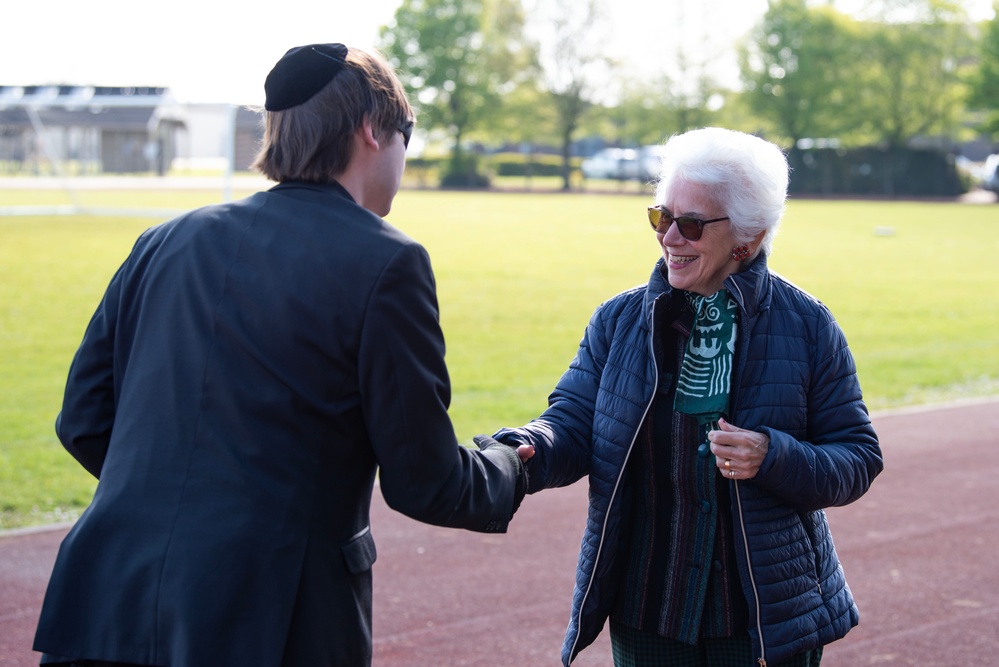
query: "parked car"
617, 163
624, 164
649, 160
990, 173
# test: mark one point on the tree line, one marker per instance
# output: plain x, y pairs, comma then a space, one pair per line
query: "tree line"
809, 75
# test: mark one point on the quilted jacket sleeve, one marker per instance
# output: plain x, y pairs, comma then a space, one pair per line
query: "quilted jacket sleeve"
838, 456
562, 436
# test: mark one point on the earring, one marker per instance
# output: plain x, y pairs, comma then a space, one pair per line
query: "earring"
740, 252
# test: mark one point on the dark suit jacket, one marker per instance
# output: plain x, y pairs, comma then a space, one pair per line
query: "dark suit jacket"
249, 368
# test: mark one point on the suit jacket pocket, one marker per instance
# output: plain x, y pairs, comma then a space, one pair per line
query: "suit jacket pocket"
359, 553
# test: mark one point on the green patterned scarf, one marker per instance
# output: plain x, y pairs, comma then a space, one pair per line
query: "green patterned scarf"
706, 374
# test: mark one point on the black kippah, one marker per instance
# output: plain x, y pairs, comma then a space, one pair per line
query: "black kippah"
301, 73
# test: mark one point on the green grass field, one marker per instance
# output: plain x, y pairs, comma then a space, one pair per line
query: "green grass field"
518, 276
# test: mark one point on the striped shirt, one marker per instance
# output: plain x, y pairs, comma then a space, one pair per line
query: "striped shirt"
679, 570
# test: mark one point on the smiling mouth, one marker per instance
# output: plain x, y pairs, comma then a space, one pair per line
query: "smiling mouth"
677, 259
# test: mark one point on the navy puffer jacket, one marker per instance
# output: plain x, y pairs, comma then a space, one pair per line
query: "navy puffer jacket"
795, 380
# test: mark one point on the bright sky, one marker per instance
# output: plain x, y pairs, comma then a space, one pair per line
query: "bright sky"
221, 50
203, 50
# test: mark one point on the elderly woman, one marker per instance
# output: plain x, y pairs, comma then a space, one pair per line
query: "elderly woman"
716, 412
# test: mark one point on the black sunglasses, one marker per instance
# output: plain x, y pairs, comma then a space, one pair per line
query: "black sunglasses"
690, 228
407, 132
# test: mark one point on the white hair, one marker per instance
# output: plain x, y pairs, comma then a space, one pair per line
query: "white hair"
746, 176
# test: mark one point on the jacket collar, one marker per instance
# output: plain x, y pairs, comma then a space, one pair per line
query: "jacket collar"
750, 288
329, 188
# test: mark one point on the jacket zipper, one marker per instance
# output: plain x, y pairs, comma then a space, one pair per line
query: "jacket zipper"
762, 660
617, 485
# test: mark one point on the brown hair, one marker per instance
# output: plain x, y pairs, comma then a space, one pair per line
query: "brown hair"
312, 142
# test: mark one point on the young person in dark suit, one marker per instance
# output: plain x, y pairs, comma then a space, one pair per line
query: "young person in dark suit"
249, 369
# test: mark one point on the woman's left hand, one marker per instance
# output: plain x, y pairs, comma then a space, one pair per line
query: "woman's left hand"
738, 453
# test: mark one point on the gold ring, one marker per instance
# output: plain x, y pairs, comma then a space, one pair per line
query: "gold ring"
728, 463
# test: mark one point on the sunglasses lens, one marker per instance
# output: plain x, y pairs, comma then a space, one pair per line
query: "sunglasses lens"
407, 133
690, 228
655, 218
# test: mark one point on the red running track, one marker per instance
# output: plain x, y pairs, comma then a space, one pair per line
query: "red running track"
916, 550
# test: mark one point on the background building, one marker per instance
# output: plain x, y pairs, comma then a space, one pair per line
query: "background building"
88, 130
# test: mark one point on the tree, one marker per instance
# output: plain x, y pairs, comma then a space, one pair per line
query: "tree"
911, 84
984, 82
798, 70
457, 58
527, 122
649, 111
572, 61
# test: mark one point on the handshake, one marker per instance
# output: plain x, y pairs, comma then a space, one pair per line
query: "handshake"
517, 457
523, 451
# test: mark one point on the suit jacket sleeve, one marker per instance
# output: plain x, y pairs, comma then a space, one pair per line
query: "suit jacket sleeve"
405, 393
88, 409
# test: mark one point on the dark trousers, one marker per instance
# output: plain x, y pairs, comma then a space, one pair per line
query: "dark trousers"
634, 648
91, 663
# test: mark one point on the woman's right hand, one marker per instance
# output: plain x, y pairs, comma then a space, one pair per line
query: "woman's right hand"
739, 453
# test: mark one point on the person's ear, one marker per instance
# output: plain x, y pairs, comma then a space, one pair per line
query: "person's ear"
367, 133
